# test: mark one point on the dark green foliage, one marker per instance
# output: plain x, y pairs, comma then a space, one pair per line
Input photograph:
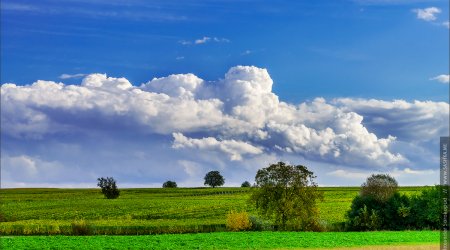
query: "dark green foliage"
368, 213
381, 208
109, 187
427, 208
379, 186
169, 184
214, 179
245, 184
367, 219
288, 196
396, 213
2, 217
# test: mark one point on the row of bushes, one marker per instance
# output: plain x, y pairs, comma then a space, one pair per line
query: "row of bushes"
379, 206
242, 221
367, 213
397, 212
82, 227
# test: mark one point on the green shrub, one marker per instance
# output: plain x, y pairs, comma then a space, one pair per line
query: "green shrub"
80, 227
399, 212
427, 208
366, 220
259, 224
238, 221
312, 225
380, 207
404, 212
337, 227
393, 214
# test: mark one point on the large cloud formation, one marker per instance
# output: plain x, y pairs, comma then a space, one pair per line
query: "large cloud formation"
237, 117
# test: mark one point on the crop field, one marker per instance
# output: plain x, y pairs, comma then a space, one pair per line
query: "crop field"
141, 211
228, 240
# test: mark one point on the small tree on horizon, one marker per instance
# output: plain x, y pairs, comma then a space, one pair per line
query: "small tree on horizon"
246, 184
109, 187
169, 184
214, 179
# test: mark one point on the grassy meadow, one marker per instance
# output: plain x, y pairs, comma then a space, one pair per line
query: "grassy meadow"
142, 211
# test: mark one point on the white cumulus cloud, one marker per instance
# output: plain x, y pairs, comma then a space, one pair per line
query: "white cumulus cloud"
409, 121
427, 14
237, 118
235, 149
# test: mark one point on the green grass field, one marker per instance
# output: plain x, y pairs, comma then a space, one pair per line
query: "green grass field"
142, 211
243, 240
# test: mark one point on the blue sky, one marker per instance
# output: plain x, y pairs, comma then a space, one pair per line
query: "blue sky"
371, 49
330, 62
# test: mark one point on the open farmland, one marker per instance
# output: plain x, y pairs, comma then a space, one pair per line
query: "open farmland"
142, 211
243, 240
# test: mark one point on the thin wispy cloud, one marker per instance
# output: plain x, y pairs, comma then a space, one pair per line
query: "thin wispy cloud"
205, 39
246, 52
18, 7
202, 40
129, 12
441, 78
389, 2
70, 76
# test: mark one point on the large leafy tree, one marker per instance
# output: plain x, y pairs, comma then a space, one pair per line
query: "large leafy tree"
287, 195
214, 179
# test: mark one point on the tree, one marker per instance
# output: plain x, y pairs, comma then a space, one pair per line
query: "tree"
246, 184
169, 184
109, 187
380, 206
214, 179
287, 195
379, 186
